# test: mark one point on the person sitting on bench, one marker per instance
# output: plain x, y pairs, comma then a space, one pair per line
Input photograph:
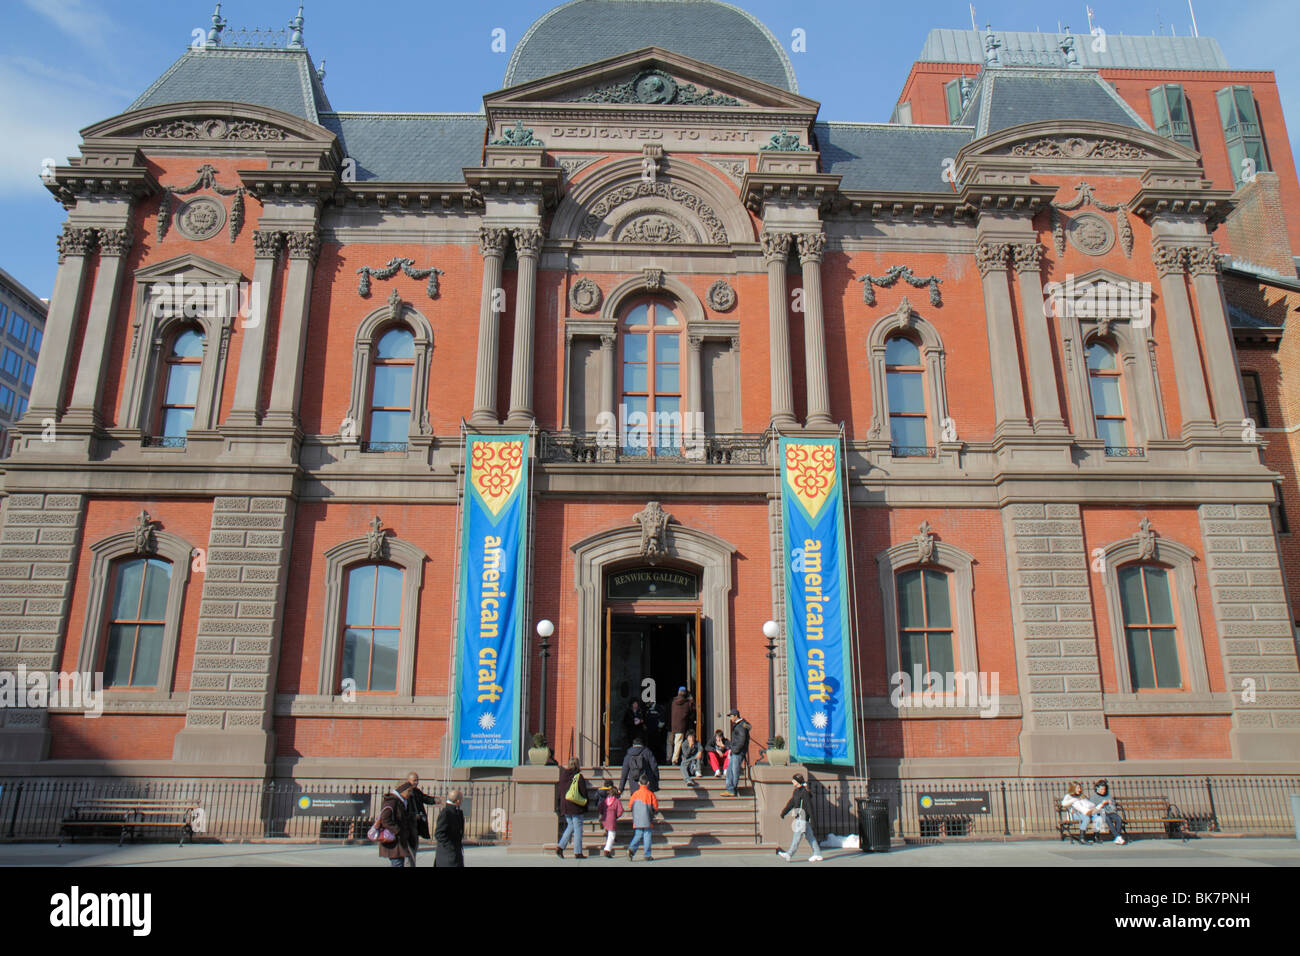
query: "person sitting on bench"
1107, 810
1084, 810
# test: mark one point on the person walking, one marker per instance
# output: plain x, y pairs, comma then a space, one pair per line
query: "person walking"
691, 756
571, 804
449, 834
737, 750
681, 719
644, 807
800, 807
1108, 811
611, 808
396, 817
636, 721
640, 760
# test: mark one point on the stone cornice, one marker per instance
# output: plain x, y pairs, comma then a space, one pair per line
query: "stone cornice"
408, 195
315, 184
1181, 196
70, 183
1023, 196
879, 204
803, 188
528, 181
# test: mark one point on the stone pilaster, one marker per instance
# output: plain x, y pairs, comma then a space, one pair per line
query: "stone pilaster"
1192, 398
291, 348
1064, 726
39, 546
1254, 625
528, 246
776, 249
694, 382
1027, 258
232, 688
492, 244
245, 410
609, 374
812, 247
1004, 357
87, 391
1220, 353
60, 324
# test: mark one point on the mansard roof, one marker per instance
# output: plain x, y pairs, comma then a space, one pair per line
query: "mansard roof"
409, 147
1006, 97
281, 79
881, 156
1044, 49
585, 31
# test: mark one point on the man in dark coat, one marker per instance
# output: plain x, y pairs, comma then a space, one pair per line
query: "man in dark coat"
450, 833
639, 760
636, 721
737, 750
419, 801
683, 720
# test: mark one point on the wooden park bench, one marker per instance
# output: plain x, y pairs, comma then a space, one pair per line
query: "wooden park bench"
1140, 814
130, 816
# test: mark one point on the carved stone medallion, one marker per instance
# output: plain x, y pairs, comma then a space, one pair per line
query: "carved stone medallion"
1090, 234
721, 296
585, 295
200, 218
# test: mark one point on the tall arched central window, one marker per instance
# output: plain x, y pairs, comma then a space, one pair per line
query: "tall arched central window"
1107, 403
372, 626
652, 379
905, 385
390, 393
180, 393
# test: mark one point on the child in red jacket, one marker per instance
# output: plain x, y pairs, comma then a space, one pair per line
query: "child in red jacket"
611, 808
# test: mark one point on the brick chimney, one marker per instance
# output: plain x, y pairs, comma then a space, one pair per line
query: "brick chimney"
1256, 230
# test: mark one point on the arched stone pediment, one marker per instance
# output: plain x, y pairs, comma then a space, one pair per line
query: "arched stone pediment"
210, 122
1078, 141
682, 204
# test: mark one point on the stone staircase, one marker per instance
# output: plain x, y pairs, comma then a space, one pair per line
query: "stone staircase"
698, 818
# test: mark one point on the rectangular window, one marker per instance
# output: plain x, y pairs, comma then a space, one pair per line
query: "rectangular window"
18, 327
372, 627
21, 410
12, 364
6, 398
1254, 399
35, 347
29, 373
952, 96
1169, 109
925, 631
1241, 130
135, 628
1152, 637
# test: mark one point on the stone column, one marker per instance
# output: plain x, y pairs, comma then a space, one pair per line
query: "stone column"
291, 348
528, 246
492, 244
609, 374
1192, 398
694, 388
245, 410
1004, 357
1225, 385
114, 244
776, 249
811, 248
1038, 340
61, 323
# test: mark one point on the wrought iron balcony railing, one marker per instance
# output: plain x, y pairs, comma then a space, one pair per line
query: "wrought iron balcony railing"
1125, 451
165, 441
591, 448
380, 447
913, 451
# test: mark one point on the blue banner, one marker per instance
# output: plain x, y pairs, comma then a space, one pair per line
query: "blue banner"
816, 602
485, 716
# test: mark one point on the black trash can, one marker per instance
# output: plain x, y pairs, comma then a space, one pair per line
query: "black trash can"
873, 824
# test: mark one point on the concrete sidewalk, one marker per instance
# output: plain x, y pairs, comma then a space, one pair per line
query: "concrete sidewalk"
1205, 852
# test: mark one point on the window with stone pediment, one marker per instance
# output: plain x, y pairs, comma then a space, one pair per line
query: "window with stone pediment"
909, 393
652, 381
389, 405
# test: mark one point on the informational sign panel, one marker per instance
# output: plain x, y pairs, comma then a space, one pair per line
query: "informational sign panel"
331, 805
816, 602
485, 728
953, 802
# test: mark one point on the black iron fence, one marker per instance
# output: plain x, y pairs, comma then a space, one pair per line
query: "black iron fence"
235, 810
591, 448
1022, 807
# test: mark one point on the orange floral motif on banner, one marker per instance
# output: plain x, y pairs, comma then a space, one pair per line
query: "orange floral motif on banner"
810, 473
495, 469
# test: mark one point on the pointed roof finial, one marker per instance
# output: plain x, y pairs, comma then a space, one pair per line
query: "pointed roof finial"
295, 38
218, 24
320, 71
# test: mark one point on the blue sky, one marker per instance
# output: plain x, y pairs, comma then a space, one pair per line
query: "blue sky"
65, 64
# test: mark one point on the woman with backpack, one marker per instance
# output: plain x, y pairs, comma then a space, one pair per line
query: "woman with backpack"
800, 805
571, 803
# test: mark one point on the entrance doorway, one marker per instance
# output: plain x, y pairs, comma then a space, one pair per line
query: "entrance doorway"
647, 657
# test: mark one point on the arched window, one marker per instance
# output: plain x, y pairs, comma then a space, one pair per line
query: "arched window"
905, 388
652, 379
180, 392
389, 415
1105, 387
137, 617
372, 625
1150, 631
925, 627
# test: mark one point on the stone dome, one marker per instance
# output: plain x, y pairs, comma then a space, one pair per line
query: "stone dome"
585, 31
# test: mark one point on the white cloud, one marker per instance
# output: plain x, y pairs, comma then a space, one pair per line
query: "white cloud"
83, 22
42, 108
